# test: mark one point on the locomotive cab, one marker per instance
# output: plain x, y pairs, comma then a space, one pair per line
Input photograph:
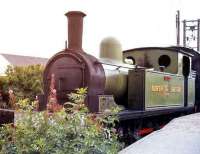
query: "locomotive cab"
166, 82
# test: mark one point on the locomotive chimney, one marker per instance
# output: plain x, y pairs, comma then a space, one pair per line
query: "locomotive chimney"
75, 29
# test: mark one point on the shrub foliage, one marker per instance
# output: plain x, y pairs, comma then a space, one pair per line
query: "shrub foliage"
26, 82
71, 130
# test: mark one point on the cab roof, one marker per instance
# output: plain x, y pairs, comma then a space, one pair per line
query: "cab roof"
186, 51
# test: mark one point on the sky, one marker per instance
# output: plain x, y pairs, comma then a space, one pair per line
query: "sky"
39, 27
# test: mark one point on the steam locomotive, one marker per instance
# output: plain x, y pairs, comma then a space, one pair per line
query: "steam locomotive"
154, 84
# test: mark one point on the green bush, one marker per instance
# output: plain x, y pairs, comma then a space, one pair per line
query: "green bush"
70, 131
26, 82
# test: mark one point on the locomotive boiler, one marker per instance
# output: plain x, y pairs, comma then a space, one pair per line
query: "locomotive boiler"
152, 83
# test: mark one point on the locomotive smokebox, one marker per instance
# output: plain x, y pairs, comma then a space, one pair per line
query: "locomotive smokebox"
73, 68
75, 30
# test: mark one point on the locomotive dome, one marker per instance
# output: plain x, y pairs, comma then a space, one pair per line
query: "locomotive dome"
110, 48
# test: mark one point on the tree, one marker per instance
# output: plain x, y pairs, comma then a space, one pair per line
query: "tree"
26, 82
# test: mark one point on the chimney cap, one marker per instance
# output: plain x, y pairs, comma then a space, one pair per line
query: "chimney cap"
79, 13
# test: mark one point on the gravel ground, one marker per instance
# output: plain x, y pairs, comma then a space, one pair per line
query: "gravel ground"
180, 136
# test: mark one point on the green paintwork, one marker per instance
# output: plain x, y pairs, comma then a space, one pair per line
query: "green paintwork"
191, 91
163, 95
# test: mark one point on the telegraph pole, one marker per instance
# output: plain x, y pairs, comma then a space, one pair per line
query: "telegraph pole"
178, 28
